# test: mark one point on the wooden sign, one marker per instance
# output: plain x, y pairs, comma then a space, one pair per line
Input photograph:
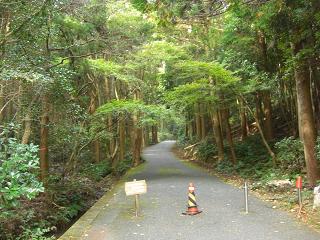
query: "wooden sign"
135, 187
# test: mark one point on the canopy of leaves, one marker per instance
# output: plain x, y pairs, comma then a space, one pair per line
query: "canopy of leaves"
188, 94
188, 71
149, 114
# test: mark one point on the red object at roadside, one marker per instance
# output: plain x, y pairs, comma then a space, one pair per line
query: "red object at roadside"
299, 182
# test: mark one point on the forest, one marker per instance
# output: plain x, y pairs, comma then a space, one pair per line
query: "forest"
85, 85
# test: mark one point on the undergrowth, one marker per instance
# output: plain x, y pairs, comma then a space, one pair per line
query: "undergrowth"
253, 160
66, 198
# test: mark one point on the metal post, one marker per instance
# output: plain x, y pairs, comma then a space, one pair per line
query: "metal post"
246, 197
300, 198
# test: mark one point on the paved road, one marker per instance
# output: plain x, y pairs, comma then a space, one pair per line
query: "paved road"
168, 179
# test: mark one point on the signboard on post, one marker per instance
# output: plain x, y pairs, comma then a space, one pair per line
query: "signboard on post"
135, 187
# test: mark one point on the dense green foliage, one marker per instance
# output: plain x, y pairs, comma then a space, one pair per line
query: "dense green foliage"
90, 83
18, 173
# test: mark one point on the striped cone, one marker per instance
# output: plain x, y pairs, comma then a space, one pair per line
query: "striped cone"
192, 204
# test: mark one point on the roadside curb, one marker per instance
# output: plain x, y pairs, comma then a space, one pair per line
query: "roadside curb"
83, 224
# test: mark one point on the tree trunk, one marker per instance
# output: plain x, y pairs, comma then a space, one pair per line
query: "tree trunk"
154, 134
1, 103
186, 127
146, 136
217, 134
111, 143
267, 123
122, 138
226, 116
137, 141
190, 128
44, 134
137, 135
243, 120
267, 108
259, 115
307, 130
265, 142
202, 120
293, 109
95, 143
27, 128
5, 28
198, 120
316, 95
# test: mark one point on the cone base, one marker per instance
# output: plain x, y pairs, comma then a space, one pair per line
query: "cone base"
192, 211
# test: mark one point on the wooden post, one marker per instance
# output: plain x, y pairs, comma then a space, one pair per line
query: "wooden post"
137, 206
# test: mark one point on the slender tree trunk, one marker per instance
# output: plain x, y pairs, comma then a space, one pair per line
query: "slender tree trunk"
265, 142
259, 115
122, 138
267, 107
217, 134
186, 128
137, 135
9, 111
146, 136
97, 154
293, 108
92, 109
44, 134
154, 131
111, 143
5, 28
265, 95
226, 116
202, 120
190, 127
198, 121
307, 130
243, 120
27, 128
137, 141
315, 89
2, 102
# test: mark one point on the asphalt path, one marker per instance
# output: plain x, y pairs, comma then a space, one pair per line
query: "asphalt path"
161, 218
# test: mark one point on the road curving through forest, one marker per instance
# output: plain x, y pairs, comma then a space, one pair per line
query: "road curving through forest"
223, 217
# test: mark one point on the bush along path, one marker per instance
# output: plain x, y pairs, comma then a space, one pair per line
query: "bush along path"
276, 185
168, 178
49, 214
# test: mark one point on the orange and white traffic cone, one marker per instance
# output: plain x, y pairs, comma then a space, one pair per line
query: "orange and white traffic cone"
192, 204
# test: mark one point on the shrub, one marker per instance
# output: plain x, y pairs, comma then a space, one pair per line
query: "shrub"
96, 171
290, 155
207, 150
166, 136
225, 167
124, 165
18, 173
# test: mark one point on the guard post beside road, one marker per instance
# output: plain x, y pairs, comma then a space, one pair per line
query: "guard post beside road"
299, 187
